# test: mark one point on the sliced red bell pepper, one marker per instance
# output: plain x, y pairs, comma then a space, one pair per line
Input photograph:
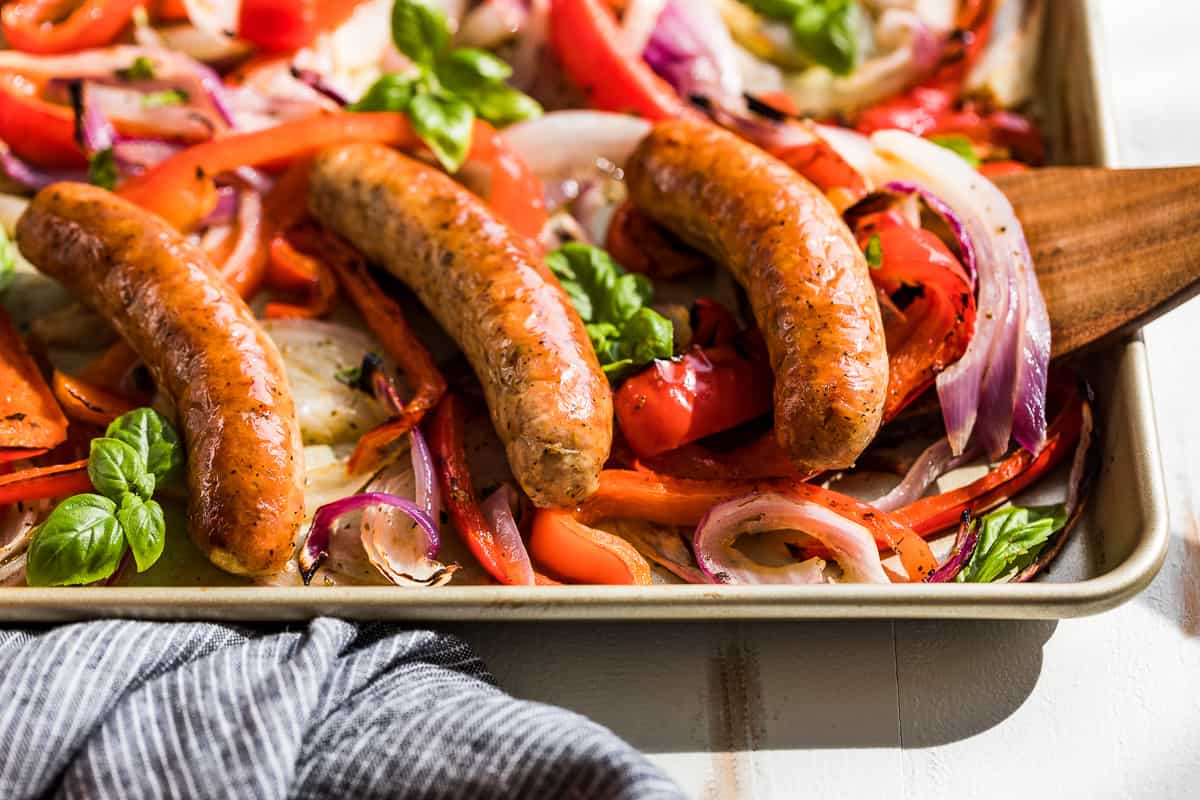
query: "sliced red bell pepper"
88, 403
458, 493
181, 189
11, 454
320, 286
579, 553
38, 483
175, 10
762, 458
705, 391
712, 323
631, 494
1013, 474
40, 26
283, 25
821, 164
640, 245
939, 318
37, 131
586, 39
29, 415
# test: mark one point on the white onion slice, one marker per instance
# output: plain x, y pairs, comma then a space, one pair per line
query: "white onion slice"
497, 509
313, 351
564, 141
852, 545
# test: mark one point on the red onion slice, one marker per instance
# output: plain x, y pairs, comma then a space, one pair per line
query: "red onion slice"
691, 48
852, 545
32, 177
497, 510
250, 221
226, 208
965, 542
638, 23
135, 155
943, 210
316, 542
934, 462
317, 81
1005, 364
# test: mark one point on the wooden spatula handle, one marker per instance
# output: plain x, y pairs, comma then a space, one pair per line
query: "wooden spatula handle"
1112, 248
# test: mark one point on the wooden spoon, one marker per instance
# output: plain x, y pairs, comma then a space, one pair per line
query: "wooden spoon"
1113, 248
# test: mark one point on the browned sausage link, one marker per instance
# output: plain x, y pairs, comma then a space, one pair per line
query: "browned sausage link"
204, 349
808, 283
550, 403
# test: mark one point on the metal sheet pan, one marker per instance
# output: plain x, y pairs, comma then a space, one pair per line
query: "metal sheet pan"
1117, 551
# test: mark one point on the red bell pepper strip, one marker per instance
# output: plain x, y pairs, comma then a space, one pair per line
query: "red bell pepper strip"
634, 494
39, 26
671, 403
29, 415
937, 325
181, 189
11, 454
38, 483
283, 25
586, 39
579, 553
321, 285
37, 131
1013, 474
761, 458
641, 245
110, 368
175, 10
88, 403
386, 320
712, 323
450, 459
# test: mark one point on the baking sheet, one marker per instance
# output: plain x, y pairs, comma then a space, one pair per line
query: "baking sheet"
1116, 551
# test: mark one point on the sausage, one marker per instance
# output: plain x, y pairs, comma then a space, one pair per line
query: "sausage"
205, 351
549, 401
808, 283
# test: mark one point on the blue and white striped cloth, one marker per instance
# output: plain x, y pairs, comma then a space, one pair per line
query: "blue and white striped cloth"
330, 710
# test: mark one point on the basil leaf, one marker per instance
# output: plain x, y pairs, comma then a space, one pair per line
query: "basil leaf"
142, 69
116, 469
419, 30
80, 542
145, 529
874, 252
959, 144
102, 169
444, 123
827, 32
151, 435
167, 97
391, 92
1010, 539
624, 331
776, 9
501, 104
467, 66
8, 260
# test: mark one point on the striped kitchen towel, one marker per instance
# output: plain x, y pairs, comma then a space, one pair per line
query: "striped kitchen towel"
328, 710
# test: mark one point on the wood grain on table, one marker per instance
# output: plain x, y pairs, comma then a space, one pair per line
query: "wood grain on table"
1104, 707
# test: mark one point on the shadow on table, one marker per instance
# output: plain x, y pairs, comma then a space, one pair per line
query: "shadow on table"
687, 687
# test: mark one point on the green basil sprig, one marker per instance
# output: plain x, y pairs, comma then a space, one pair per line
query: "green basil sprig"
85, 537
824, 31
625, 332
1009, 540
447, 88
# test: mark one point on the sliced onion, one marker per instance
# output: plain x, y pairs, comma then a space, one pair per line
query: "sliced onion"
92, 127
562, 142
852, 545
256, 179
664, 546
316, 542
691, 48
16, 527
310, 77
313, 352
215, 48
529, 59
638, 22
35, 178
1006, 71
497, 509
136, 155
965, 542
1003, 372
126, 106
854, 148
392, 540
943, 210
226, 208
217, 16
934, 462
912, 50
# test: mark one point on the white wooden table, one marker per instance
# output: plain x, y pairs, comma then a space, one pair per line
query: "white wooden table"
1104, 707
